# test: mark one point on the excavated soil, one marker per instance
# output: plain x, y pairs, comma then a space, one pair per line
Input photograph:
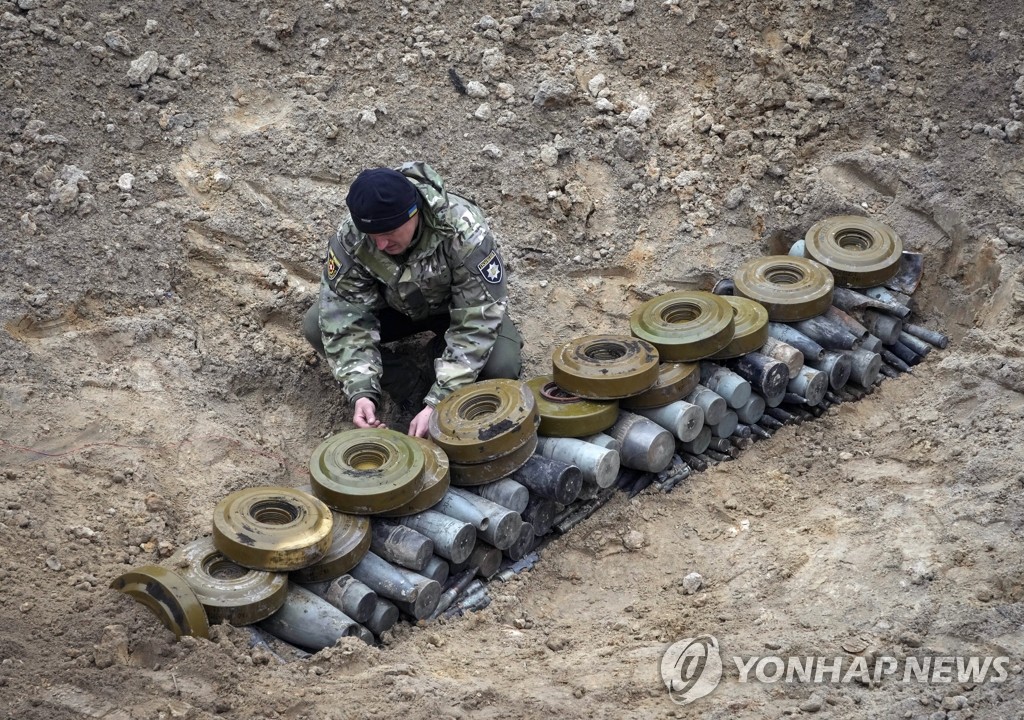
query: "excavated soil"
170, 174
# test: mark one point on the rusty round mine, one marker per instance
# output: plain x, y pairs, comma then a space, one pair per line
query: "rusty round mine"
229, 592
605, 367
790, 288
675, 382
483, 421
367, 471
563, 414
436, 479
272, 528
350, 541
751, 322
860, 252
496, 469
685, 326
168, 596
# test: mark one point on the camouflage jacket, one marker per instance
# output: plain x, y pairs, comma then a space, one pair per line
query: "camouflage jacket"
452, 266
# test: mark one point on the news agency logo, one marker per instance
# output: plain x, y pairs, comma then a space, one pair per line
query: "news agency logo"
692, 668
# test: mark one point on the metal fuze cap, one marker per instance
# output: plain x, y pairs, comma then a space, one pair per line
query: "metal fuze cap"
380, 200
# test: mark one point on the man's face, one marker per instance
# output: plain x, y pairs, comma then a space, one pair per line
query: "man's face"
397, 241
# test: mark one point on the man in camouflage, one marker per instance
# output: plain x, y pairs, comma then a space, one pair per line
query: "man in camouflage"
411, 257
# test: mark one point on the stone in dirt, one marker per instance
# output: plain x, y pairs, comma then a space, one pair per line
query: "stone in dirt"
633, 540
692, 583
812, 704
628, 144
552, 94
118, 43
143, 68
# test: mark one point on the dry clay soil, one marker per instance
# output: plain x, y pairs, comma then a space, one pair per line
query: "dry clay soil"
151, 359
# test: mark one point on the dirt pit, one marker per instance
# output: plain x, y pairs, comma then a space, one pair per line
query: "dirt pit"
170, 175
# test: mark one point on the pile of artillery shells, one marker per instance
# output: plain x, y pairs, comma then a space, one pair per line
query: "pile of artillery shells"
702, 378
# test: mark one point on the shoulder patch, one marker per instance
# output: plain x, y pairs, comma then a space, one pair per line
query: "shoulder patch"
491, 269
333, 265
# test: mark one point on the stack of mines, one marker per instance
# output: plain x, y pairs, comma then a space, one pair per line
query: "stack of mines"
702, 376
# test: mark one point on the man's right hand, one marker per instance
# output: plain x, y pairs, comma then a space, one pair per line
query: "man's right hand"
365, 415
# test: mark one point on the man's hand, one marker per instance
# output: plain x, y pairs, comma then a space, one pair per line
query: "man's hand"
365, 415
418, 426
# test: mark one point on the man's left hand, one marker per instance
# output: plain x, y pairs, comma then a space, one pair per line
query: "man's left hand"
418, 426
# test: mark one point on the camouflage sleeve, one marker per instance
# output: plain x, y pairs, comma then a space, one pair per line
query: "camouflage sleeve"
351, 332
479, 300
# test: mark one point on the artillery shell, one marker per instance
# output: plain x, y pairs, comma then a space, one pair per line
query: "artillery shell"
889, 371
783, 416
436, 569
400, 544
505, 492
727, 426
916, 344
502, 527
680, 418
932, 337
793, 337
599, 465
540, 513
453, 538
695, 462
713, 404
699, 443
886, 327
383, 618
524, 543
752, 411
348, 595
645, 445
784, 352
742, 430
309, 621
549, 478
733, 388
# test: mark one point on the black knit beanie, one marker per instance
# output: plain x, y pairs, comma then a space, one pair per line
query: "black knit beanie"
380, 200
